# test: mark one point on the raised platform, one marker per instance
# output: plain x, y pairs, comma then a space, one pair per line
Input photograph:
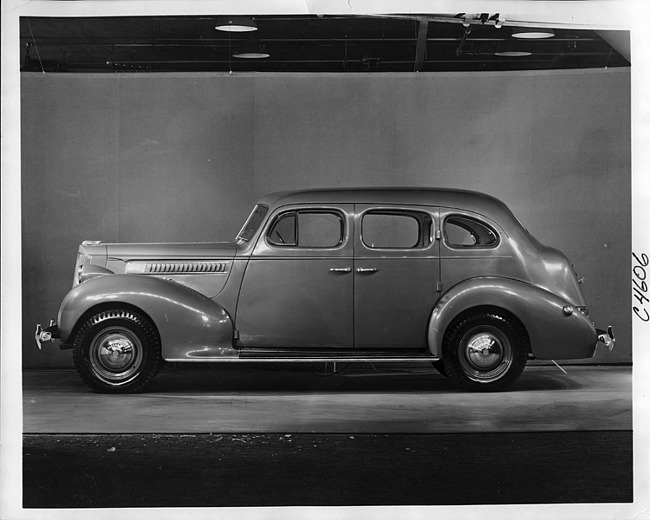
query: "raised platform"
365, 398
301, 435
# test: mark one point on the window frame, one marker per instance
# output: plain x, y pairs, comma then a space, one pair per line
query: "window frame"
245, 235
476, 218
296, 211
425, 239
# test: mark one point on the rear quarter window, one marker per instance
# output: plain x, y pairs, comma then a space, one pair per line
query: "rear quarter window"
464, 232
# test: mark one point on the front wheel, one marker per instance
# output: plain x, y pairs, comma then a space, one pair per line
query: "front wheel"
117, 351
485, 352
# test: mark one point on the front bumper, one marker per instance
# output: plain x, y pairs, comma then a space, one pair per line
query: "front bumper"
606, 337
42, 335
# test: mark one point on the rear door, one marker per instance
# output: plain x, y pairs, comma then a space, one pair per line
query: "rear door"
396, 275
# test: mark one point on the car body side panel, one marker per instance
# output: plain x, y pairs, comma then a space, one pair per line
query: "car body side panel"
191, 326
553, 334
297, 303
393, 304
229, 296
204, 267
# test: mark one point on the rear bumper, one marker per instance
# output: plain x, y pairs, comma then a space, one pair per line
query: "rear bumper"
606, 338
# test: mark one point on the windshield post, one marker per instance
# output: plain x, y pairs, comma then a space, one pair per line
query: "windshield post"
252, 224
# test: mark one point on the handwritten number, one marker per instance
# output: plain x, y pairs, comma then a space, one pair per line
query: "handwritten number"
640, 287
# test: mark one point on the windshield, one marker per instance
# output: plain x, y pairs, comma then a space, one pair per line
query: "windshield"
253, 223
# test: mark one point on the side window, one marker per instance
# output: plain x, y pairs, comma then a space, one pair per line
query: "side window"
283, 232
308, 229
319, 229
395, 230
466, 232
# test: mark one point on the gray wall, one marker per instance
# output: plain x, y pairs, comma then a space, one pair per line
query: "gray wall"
124, 157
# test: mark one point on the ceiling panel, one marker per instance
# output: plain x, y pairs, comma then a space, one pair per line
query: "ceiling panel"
302, 43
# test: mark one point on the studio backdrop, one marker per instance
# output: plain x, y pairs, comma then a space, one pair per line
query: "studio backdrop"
183, 157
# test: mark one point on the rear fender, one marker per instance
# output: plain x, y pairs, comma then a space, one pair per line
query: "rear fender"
553, 334
191, 326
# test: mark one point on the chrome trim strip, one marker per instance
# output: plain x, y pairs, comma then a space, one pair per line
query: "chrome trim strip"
305, 360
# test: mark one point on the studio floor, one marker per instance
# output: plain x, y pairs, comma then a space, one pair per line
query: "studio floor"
311, 398
269, 435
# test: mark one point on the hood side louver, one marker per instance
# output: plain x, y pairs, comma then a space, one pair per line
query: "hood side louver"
185, 267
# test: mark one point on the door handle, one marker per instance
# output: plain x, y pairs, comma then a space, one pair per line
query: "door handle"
340, 269
366, 270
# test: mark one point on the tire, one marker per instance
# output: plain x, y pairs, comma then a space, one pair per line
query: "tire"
117, 351
485, 352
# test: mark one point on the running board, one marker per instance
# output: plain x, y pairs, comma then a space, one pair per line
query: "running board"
298, 355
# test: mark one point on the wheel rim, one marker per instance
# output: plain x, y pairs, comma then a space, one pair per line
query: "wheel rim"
485, 354
116, 355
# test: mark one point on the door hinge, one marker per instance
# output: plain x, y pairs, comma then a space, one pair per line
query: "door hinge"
438, 234
235, 334
439, 287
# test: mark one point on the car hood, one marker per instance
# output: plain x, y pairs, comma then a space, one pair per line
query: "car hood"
168, 251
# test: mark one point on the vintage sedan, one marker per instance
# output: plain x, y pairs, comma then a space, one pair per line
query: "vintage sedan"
401, 275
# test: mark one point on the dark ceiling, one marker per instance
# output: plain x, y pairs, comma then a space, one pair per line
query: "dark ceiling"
426, 43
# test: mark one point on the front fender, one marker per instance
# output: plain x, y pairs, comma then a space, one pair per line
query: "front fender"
552, 334
191, 326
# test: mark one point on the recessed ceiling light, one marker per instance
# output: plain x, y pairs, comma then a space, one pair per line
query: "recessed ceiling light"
512, 50
236, 24
251, 51
532, 33
513, 54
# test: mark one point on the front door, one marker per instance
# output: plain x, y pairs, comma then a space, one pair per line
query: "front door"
297, 290
396, 274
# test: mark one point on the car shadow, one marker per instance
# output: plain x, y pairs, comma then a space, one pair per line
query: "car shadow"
329, 378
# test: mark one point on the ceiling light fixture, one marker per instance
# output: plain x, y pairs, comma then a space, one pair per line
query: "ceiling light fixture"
236, 24
251, 51
511, 50
531, 33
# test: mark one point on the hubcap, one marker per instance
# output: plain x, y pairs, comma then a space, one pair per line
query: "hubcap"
115, 355
485, 354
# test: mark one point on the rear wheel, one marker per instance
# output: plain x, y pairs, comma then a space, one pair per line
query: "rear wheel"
117, 351
485, 352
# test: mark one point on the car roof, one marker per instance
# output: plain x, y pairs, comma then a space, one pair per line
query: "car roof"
444, 197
